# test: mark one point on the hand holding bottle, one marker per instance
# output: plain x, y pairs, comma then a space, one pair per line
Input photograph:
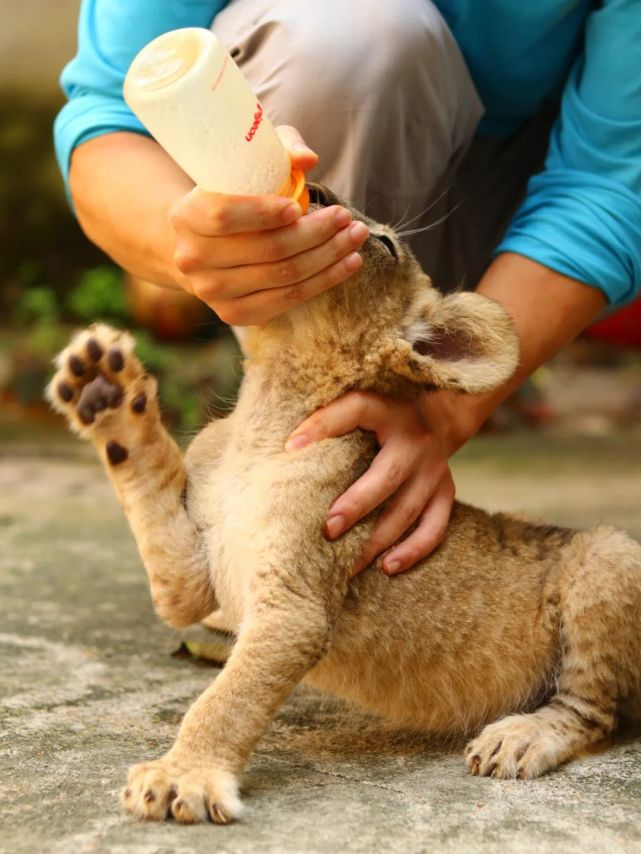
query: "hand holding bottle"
251, 258
242, 244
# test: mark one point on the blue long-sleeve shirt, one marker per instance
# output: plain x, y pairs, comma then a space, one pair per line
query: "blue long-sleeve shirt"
581, 215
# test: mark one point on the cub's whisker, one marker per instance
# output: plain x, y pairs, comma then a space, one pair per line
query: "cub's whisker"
410, 232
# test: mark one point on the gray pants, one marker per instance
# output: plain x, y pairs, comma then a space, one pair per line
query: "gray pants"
381, 91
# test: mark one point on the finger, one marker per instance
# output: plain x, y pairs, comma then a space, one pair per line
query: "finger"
428, 534
260, 307
195, 253
236, 282
390, 469
284, 279
220, 215
396, 519
300, 153
356, 409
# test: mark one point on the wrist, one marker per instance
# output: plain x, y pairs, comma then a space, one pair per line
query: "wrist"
454, 418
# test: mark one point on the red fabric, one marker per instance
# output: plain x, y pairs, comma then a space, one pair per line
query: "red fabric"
623, 327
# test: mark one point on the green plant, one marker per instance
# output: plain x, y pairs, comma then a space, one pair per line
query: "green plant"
99, 294
45, 340
38, 305
157, 358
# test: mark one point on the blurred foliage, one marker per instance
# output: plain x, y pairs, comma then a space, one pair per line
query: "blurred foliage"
38, 305
41, 244
99, 293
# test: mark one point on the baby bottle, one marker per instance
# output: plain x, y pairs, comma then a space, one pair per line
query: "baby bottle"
191, 96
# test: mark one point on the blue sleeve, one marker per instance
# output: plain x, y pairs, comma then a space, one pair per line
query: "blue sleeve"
110, 34
582, 215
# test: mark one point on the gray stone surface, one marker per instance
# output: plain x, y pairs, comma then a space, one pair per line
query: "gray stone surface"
89, 686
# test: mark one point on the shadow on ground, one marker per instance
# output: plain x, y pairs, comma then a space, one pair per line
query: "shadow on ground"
90, 686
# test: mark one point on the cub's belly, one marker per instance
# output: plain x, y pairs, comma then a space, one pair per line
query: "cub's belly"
237, 542
433, 696
423, 671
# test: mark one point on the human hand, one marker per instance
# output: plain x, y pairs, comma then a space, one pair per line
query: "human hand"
251, 258
411, 465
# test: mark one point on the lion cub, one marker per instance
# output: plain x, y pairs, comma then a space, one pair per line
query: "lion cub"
530, 634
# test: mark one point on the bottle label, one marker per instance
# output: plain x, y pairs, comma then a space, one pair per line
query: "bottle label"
258, 117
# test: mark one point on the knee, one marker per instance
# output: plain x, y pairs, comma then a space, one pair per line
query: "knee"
343, 51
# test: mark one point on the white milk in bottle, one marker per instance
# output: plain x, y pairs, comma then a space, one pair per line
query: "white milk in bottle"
191, 96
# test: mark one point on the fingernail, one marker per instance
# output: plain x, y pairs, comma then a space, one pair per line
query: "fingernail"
353, 262
334, 526
291, 213
392, 567
342, 217
295, 443
358, 232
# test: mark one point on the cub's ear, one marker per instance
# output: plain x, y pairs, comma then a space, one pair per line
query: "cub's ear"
463, 342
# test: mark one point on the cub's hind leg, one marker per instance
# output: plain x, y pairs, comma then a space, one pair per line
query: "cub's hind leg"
600, 667
107, 397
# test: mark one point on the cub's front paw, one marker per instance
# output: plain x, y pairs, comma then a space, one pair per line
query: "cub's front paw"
102, 389
190, 793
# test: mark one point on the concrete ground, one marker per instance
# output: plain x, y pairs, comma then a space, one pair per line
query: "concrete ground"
89, 686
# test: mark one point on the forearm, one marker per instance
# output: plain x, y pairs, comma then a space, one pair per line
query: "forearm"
123, 185
548, 311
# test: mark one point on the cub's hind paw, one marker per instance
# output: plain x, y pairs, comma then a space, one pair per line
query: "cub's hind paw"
101, 386
522, 746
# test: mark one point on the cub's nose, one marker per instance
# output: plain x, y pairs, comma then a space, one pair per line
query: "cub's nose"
321, 195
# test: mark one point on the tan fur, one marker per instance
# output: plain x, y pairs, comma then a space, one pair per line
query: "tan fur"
532, 630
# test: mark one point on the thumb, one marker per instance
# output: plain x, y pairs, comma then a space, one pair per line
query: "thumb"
300, 153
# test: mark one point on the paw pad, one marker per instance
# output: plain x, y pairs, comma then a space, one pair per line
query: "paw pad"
65, 392
139, 404
94, 349
76, 366
116, 360
97, 396
116, 454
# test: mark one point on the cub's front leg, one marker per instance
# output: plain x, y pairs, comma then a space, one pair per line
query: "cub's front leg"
282, 638
107, 397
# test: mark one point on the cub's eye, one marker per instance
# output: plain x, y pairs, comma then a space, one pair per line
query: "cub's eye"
388, 243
